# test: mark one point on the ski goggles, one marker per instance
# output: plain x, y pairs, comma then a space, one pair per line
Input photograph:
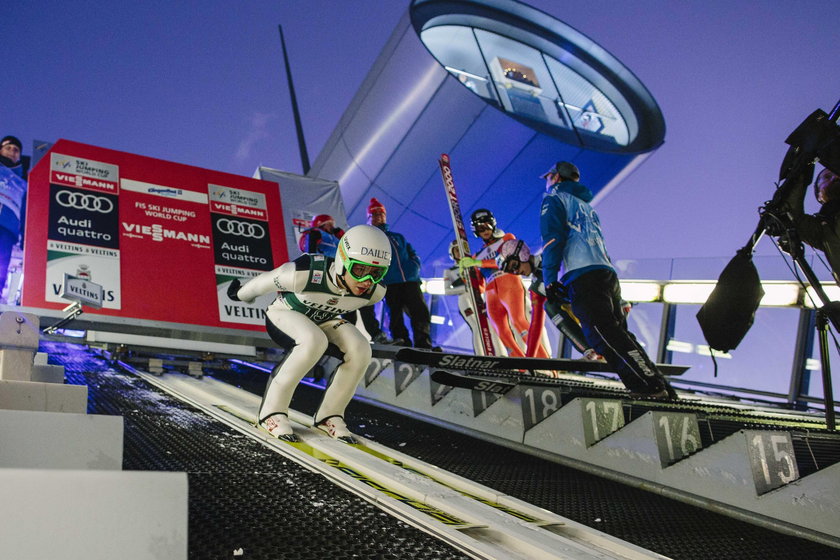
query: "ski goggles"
509, 264
361, 271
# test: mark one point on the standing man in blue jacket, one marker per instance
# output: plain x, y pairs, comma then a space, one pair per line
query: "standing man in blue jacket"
12, 202
572, 240
403, 282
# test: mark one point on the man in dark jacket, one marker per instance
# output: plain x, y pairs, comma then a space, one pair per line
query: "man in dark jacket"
572, 238
12, 201
821, 230
403, 282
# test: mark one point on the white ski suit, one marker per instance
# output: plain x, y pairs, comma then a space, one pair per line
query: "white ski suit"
307, 309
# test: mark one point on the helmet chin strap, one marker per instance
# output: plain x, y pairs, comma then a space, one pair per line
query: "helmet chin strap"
338, 279
340, 282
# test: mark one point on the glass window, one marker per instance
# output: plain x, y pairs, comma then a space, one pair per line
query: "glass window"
645, 322
813, 386
589, 109
455, 47
762, 361
524, 81
521, 77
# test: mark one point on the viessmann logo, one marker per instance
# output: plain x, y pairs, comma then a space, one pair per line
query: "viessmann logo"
84, 201
159, 233
80, 181
242, 229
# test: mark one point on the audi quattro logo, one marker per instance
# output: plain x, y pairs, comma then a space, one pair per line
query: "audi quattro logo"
84, 201
242, 229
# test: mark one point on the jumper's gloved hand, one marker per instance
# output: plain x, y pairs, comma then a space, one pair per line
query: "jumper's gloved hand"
468, 262
233, 289
556, 293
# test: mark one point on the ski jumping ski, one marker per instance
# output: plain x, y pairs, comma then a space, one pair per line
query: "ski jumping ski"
473, 280
494, 386
494, 364
486, 384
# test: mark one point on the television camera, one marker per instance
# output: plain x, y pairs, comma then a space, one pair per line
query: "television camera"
729, 311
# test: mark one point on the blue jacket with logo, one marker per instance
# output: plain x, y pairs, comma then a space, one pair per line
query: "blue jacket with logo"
571, 233
405, 264
316, 240
12, 198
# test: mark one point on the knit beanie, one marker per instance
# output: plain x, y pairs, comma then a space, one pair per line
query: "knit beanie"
11, 140
374, 205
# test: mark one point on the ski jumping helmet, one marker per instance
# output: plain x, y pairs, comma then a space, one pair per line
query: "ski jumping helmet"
365, 253
484, 217
453, 246
321, 219
512, 253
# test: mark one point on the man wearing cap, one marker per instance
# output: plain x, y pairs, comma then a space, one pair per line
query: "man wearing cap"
403, 282
12, 201
572, 240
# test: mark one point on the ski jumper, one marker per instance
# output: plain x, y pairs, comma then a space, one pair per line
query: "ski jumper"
505, 297
572, 237
307, 309
453, 284
318, 240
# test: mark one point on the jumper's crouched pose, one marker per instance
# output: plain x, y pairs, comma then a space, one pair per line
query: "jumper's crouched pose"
312, 291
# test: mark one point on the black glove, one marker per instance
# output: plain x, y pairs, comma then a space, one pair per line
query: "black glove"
233, 289
556, 293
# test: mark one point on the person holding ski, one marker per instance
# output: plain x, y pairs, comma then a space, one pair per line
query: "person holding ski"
504, 293
312, 292
454, 284
572, 238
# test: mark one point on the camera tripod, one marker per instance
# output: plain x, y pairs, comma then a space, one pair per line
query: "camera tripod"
816, 139
827, 314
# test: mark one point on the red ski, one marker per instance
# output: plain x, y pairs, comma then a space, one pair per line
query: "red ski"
473, 275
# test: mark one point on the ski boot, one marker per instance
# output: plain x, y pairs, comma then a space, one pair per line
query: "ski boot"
591, 355
278, 425
335, 427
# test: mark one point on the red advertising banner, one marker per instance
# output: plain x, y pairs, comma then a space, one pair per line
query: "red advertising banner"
163, 239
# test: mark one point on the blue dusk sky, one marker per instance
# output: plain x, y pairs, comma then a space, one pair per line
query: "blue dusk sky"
203, 83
